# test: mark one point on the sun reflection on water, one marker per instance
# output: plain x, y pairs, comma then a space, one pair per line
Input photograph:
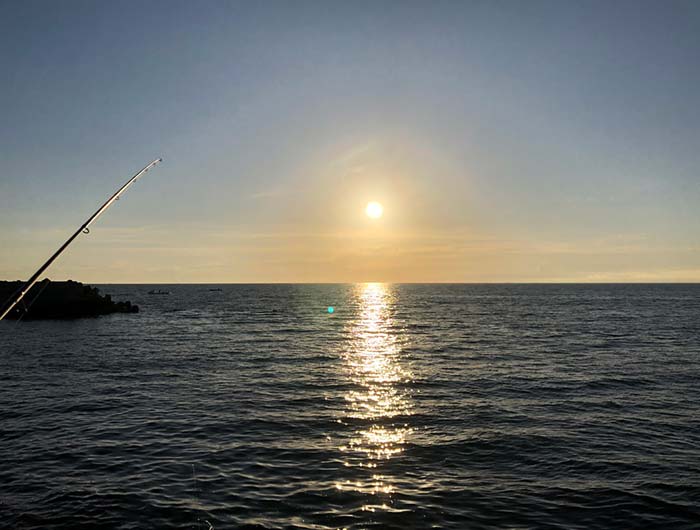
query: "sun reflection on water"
379, 404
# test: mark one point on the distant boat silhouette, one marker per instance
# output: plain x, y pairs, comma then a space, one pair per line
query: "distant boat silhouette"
217, 289
158, 291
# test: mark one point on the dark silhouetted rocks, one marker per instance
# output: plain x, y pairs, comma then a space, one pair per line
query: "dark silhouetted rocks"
62, 300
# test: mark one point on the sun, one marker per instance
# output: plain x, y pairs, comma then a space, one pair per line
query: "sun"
374, 210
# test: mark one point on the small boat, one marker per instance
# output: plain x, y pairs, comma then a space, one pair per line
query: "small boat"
217, 289
158, 291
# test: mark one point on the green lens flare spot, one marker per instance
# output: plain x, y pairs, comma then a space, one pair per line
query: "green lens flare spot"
331, 309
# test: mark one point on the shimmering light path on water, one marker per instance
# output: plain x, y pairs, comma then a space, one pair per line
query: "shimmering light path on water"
411, 406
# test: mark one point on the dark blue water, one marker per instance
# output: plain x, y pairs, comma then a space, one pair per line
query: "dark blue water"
411, 406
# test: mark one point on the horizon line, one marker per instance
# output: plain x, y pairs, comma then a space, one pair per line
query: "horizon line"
413, 283
573, 282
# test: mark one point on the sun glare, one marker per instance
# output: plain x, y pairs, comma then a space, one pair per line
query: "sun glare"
374, 210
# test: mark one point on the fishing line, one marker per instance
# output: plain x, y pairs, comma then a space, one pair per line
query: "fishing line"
28, 306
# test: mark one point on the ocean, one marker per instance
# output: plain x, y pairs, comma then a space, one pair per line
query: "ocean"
408, 406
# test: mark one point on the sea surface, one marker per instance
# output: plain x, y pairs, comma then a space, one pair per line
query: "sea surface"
408, 406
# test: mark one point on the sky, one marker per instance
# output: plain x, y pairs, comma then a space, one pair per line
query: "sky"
507, 141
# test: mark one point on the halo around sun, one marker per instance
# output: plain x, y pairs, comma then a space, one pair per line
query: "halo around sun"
374, 210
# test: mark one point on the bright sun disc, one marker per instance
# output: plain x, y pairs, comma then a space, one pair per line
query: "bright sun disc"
374, 210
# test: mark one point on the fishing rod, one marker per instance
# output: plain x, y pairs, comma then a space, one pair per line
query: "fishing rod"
84, 229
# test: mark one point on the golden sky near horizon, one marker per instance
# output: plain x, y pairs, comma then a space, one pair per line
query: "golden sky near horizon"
316, 229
